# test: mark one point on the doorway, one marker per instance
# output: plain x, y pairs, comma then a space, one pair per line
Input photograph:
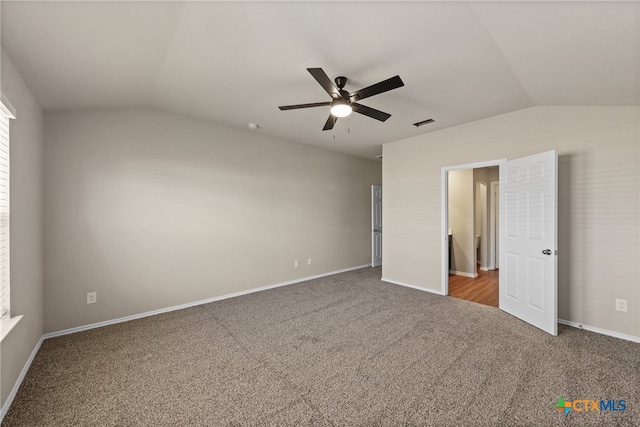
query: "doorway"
528, 237
471, 233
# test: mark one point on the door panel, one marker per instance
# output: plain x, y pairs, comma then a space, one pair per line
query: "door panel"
528, 240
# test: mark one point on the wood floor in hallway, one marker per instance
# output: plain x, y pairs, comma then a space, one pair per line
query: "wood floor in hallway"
483, 289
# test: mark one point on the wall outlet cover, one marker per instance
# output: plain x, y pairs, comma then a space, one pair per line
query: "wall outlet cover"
621, 304
92, 297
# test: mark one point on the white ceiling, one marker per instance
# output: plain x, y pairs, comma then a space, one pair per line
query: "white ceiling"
236, 62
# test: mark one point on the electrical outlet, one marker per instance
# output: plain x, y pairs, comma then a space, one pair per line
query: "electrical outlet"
295, 263
92, 297
309, 261
621, 304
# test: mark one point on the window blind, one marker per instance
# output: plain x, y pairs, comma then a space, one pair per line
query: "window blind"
4, 217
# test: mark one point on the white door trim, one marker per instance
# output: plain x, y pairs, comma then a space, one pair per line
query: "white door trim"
444, 219
376, 226
493, 225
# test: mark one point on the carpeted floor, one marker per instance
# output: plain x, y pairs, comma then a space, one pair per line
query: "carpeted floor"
346, 350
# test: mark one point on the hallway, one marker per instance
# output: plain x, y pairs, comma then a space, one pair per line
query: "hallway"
483, 289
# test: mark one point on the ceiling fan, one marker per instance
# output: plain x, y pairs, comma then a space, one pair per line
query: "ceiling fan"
343, 102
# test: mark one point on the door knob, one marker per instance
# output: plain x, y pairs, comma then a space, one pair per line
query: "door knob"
547, 252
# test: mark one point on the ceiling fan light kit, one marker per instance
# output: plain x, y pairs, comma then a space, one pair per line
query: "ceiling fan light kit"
343, 102
340, 108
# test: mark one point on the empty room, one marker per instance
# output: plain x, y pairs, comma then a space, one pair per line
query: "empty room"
286, 213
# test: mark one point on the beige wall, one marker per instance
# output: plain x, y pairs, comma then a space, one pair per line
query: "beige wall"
483, 210
598, 234
461, 212
26, 141
151, 210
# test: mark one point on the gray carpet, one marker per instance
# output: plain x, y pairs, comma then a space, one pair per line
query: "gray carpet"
346, 350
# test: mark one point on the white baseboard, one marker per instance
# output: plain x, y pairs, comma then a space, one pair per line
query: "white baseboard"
464, 274
192, 304
613, 334
16, 386
406, 285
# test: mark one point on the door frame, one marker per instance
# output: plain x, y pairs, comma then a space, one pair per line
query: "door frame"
483, 199
373, 226
444, 257
494, 228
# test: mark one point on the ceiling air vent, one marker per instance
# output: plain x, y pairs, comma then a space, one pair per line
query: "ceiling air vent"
424, 122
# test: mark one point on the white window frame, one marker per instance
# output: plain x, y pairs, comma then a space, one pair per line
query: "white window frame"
7, 323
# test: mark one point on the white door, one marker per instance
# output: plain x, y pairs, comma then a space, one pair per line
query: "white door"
376, 225
528, 240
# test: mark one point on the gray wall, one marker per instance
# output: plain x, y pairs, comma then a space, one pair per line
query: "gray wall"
598, 198
151, 209
26, 141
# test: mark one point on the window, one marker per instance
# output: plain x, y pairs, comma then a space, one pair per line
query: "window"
6, 113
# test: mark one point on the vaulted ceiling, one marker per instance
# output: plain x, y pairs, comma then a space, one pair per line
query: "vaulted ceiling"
235, 62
